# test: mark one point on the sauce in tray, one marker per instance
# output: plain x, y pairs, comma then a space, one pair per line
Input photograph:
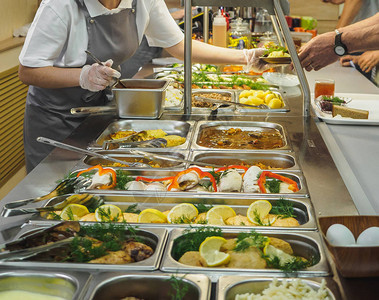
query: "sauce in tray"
235, 138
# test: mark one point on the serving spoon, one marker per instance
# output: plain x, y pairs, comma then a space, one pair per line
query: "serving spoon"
224, 102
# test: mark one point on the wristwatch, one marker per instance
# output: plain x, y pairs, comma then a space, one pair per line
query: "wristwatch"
339, 47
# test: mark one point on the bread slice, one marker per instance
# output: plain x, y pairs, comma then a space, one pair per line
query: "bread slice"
348, 112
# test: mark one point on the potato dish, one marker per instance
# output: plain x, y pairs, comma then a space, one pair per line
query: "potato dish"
257, 97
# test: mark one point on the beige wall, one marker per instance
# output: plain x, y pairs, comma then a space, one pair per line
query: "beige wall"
325, 13
15, 14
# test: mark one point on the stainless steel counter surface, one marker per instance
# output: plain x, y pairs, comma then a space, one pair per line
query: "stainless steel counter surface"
354, 149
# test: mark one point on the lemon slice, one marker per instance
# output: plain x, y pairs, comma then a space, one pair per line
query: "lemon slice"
217, 215
73, 212
151, 215
108, 213
258, 210
272, 252
210, 251
182, 213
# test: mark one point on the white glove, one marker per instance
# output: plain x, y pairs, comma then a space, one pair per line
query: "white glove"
253, 62
97, 77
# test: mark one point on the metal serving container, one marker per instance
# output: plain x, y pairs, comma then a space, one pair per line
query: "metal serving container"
43, 284
154, 237
88, 161
243, 125
305, 244
221, 110
183, 129
302, 209
230, 286
278, 160
146, 286
245, 110
140, 98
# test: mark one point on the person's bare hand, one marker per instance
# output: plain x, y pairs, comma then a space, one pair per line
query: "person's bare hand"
318, 52
178, 14
346, 59
368, 60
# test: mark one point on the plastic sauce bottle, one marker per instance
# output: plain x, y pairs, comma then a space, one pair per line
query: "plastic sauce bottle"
220, 34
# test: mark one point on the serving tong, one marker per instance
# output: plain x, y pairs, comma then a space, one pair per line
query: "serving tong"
224, 102
171, 158
90, 153
120, 144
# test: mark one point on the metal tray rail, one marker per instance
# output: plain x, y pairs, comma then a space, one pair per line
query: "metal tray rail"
184, 129
287, 161
244, 125
229, 286
284, 109
88, 161
304, 212
154, 237
303, 243
154, 285
68, 285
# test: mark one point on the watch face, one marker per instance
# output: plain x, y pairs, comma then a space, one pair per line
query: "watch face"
339, 50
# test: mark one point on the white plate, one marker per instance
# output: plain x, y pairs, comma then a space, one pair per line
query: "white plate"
281, 79
368, 102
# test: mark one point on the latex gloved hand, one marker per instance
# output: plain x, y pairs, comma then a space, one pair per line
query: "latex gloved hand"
253, 62
97, 77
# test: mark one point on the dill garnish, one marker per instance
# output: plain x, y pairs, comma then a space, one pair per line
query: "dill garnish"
250, 239
106, 215
122, 179
290, 266
191, 240
258, 220
273, 185
182, 220
283, 208
202, 208
179, 286
133, 209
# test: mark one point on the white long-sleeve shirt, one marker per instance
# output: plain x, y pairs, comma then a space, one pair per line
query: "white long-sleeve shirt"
58, 35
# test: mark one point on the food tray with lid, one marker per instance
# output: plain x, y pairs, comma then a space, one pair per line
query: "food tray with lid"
171, 127
43, 284
153, 237
125, 155
283, 109
305, 244
230, 286
155, 285
275, 160
302, 209
256, 127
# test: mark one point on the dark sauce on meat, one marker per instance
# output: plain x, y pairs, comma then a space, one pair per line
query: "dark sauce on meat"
235, 138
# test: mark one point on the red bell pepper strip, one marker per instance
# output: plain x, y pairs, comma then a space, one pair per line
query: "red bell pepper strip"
138, 178
262, 180
201, 174
232, 167
103, 171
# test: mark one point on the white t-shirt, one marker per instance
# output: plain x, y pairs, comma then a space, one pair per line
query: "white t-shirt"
58, 35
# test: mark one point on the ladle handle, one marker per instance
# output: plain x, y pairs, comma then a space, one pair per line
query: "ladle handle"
92, 110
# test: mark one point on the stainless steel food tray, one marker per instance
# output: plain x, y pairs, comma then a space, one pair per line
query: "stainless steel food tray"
282, 160
229, 286
221, 110
302, 208
67, 285
154, 237
246, 110
244, 125
146, 286
154, 173
89, 161
305, 244
184, 129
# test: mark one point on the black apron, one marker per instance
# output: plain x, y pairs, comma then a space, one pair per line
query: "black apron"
47, 111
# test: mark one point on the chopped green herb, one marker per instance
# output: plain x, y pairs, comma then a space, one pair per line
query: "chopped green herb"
248, 239
273, 185
290, 266
122, 179
133, 209
180, 288
201, 207
283, 208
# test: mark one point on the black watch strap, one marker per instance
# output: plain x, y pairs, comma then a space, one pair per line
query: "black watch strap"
339, 47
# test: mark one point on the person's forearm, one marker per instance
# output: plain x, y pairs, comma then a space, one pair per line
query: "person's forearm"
350, 11
363, 39
374, 20
50, 77
205, 53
